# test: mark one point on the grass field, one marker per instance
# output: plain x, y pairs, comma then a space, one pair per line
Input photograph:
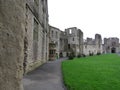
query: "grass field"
92, 73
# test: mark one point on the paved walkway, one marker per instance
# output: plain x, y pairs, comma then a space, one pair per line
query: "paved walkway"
46, 77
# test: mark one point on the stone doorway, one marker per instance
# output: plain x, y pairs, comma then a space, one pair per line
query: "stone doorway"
113, 50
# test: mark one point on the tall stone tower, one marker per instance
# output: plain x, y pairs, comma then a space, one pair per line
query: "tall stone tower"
75, 40
98, 43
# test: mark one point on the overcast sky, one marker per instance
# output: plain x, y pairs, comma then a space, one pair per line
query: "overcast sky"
91, 16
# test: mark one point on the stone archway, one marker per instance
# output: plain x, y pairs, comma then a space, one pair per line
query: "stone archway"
113, 50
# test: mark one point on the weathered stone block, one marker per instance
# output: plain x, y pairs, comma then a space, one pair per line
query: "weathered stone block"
11, 43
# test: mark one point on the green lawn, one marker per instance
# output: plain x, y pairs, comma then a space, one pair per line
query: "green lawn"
92, 73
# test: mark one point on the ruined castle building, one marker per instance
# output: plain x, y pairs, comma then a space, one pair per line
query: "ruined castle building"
36, 34
80, 34
89, 46
75, 40
111, 45
12, 28
93, 46
98, 43
63, 44
54, 43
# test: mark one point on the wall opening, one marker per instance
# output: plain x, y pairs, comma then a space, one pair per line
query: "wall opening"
113, 50
70, 31
25, 55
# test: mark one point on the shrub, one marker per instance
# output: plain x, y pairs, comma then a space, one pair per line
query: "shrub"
79, 56
91, 54
71, 56
98, 53
83, 55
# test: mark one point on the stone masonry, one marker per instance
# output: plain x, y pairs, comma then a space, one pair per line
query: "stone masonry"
111, 45
75, 40
12, 27
36, 34
24, 39
65, 42
93, 46
54, 39
71, 40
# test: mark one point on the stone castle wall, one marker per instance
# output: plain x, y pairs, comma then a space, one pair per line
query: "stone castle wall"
93, 46
63, 44
70, 40
75, 40
55, 38
37, 39
111, 45
12, 28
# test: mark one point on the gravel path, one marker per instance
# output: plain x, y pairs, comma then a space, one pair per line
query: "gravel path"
46, 77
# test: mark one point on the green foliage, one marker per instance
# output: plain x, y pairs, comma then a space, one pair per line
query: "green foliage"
71, 56
92, 73
91, 54
98, 53
79, 56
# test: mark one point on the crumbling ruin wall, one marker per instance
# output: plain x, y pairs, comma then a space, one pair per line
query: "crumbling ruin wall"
98, 43
63, 44
75, 40
55, 38
93, 46
89, 46
111, 45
